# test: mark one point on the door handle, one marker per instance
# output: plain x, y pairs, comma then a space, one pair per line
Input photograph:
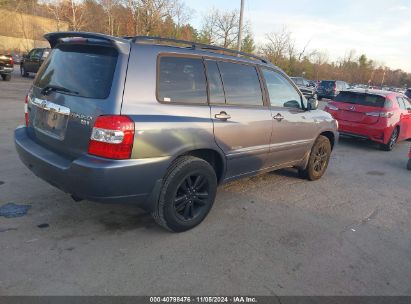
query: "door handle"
278, 117
222, 116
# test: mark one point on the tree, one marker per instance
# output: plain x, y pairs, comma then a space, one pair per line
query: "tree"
221, 28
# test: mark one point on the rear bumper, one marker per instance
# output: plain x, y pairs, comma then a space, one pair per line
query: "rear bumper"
375, 133
93, 178
6, 70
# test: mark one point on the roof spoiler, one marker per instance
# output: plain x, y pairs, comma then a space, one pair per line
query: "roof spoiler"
55, 38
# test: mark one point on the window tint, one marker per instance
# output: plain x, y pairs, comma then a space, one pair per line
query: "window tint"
214, 82
362, 99
182, 80
280, 91
85, 69
241, 84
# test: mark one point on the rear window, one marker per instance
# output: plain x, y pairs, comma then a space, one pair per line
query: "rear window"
327, 84
361, 99
85, 69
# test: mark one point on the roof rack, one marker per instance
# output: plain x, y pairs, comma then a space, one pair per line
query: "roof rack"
195, 46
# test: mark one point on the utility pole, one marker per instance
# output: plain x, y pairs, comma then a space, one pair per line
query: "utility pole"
240, 28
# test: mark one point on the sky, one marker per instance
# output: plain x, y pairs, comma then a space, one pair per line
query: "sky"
379, 29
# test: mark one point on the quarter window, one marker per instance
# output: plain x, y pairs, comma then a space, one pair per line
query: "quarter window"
182, 80
241, 84
280, 91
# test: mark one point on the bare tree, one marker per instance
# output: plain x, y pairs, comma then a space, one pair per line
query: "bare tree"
221, 28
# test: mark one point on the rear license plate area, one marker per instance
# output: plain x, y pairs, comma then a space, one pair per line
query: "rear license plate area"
51, 119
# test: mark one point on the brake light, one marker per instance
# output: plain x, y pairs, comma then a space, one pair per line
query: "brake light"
26, 112
112, 137
380, 114
11, 61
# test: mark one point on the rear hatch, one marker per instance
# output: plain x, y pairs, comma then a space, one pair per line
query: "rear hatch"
358, 107
6, 61
79, 81
326, 87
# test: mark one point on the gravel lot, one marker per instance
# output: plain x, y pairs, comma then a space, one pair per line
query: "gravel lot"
346, 234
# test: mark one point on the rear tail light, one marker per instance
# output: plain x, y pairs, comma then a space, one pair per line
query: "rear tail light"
380, 114
26, 112
112, 137
12, 61
331, 107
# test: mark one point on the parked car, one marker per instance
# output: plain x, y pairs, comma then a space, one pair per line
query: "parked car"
408, 93
305, 87
381, 116
409, 160
330, 88
161, 126
32, 62
6, 66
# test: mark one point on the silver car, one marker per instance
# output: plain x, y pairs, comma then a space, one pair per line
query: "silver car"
161, 123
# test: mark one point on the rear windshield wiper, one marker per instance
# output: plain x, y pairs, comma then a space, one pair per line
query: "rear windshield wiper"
50, 88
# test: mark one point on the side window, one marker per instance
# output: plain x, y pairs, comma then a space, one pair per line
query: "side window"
241, 84
31, 54
181, 80
407, 103
401, 103
215, 84
37, 54
280, 91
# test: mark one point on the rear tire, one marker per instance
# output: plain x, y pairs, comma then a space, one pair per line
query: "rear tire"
187, 195
23, 71
319, 98
318, 161
409, 164
6, 77
392, 141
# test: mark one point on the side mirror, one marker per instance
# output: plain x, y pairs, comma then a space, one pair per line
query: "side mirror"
312, 104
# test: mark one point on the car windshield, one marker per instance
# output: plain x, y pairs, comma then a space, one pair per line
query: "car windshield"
85, 69
364, 99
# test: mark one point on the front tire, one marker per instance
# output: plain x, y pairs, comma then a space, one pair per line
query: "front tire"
392, 141
318, 161
187, 195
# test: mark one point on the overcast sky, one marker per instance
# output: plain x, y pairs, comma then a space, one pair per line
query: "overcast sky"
380, 29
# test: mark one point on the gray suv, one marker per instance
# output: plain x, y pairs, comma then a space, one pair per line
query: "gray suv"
161, 123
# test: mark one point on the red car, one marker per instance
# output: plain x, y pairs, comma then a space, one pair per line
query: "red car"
381, 116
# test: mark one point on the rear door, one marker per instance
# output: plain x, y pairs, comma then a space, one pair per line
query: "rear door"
33, 61
77, 83
242, 122
293, 128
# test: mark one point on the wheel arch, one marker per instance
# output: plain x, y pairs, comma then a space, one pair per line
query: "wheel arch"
214, 158
331, 137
